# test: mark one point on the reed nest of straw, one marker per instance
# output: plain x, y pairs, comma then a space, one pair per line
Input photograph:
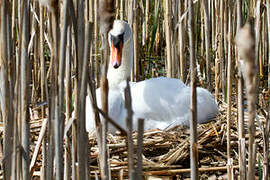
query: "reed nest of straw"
165, 152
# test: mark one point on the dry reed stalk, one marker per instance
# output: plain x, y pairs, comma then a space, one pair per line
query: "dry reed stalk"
266, 160
140, 149
193, 99
179, 171
268, 27
229, 94
6, 99
38, 147
135, 41
60, 121
52, 73
181, 43
174, 11
221, 48
82, 51
104, 102
106, 18
68, 95
265, 134
57, 111
217, 48
43, 84
147, 10
11, 40
213, 23
129, 123
122, 4
167, 18
207, 42
258, 20
83, 167
25, 80
245, 41
96, 30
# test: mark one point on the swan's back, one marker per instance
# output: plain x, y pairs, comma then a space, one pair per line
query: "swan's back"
165, 102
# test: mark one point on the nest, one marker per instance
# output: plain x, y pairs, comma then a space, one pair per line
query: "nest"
166, 153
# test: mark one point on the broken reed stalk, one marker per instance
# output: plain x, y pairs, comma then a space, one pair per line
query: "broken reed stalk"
25, 80
106, 18
245, 40
129, 125
38, 147
193, 98
240, 105
140, 149
229, 94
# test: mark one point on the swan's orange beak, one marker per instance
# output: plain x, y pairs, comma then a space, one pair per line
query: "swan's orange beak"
116, 54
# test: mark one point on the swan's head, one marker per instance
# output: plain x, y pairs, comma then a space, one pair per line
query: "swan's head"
119, 40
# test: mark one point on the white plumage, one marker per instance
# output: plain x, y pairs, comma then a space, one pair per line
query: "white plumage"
162, 102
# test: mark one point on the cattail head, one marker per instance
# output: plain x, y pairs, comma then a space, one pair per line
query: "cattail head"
47, 3
245, 41
106, 15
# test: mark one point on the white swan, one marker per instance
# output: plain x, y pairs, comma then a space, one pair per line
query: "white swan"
162, 102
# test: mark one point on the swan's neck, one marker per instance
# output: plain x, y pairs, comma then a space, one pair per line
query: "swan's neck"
116, 76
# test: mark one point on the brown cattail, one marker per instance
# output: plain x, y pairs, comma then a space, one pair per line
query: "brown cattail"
245, 40
106, 15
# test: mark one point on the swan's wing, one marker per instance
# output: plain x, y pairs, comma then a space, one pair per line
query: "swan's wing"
159, 101
166, 101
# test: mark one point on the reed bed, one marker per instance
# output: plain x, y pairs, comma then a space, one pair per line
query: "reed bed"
166, 152
53, 53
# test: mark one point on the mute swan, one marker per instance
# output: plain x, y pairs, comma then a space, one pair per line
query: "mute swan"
162, 102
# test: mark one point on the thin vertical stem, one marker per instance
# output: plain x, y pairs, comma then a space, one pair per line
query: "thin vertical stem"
25, 74
268, 24
181, 36
135, 41
6, 101
193, 104
229, 98
207, 43
167, 17
129, 123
